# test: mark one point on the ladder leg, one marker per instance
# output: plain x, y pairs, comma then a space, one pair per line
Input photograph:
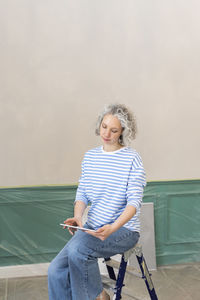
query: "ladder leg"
146, 276
110, 270
120, 279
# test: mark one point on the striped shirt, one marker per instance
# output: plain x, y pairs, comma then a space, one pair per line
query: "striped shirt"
109, 182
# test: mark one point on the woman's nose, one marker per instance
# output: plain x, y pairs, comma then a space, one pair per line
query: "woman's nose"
107, 133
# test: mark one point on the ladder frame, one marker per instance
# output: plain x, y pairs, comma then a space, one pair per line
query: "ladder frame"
119, 280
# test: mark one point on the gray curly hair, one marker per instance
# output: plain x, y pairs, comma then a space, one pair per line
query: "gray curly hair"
126, 118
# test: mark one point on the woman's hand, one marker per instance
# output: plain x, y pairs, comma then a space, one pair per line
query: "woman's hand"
74, 222
103, 232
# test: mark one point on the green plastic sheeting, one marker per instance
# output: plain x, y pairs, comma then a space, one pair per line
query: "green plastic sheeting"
30, 217
29, 223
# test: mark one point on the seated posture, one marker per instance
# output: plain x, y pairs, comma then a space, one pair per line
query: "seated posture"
112, 183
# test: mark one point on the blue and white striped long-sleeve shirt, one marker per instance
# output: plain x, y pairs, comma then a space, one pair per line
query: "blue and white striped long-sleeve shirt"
109, 182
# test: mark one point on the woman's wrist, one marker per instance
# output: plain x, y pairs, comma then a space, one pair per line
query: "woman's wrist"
115, 226
78, 217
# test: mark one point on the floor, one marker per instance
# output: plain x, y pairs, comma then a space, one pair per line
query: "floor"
180, 282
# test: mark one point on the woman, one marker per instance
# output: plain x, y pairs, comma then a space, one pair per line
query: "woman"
112, 181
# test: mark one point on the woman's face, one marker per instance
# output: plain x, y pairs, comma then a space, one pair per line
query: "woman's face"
110, 131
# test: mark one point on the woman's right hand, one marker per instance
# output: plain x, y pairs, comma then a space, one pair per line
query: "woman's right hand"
74, 222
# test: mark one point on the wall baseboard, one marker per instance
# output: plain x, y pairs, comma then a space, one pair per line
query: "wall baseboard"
33, 270
29, 270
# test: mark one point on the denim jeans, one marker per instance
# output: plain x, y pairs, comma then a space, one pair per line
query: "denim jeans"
74, 273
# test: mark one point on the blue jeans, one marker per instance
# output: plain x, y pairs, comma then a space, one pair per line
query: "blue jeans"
74, 273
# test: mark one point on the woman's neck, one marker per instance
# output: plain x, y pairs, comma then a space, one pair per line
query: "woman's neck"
111, 148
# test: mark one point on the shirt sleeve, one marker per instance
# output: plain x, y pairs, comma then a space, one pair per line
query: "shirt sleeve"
136, 184
81, 193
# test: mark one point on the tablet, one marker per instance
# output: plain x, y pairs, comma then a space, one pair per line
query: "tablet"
77, 227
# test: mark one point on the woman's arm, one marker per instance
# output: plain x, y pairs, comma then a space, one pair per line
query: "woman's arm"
127, 214
79, 208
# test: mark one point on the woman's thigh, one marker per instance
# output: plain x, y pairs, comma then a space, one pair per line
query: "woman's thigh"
118, 242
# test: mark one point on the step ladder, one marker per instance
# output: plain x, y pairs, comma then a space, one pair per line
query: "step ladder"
116, 283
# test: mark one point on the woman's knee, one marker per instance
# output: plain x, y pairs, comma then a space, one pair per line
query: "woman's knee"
77, 255
51, 269
73, 249
73, 254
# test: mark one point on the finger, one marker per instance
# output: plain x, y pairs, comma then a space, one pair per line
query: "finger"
100, 230
71, 231
69, 221
90, 232
95, 234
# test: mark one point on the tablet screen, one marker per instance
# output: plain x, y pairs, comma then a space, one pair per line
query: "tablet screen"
77, 227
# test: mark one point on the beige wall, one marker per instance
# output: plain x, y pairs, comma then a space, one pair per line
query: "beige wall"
61, 61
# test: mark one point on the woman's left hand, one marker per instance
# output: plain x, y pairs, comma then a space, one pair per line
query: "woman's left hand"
103, 232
